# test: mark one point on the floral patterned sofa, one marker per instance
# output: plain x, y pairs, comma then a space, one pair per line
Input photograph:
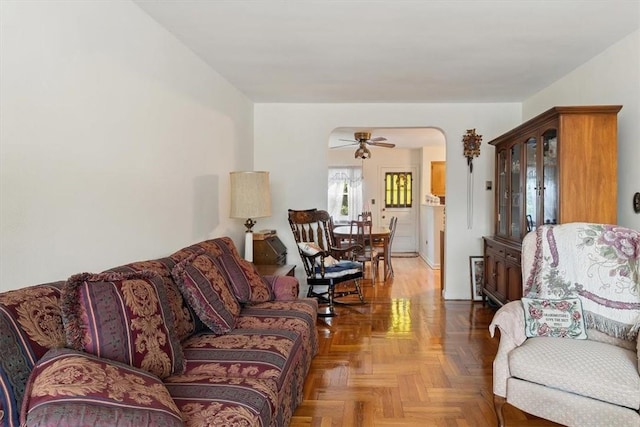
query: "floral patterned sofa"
197, 338
569, 349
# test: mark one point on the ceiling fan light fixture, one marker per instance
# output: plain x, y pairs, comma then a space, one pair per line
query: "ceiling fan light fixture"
362, 153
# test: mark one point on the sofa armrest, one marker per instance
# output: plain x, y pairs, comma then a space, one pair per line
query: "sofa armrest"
285, 288
510, 320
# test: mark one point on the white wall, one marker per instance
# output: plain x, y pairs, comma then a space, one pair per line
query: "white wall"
116, 141
613, 77
291, 140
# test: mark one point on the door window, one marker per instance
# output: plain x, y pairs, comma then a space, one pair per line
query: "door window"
398, 189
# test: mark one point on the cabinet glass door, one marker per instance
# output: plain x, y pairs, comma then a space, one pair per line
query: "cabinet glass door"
515, 192
550, 176
501, 191
531, 188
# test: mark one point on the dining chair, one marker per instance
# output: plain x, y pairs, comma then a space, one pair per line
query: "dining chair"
365, 216
379, 244
360, 234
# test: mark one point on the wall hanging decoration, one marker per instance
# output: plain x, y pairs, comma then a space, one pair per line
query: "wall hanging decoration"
471, 143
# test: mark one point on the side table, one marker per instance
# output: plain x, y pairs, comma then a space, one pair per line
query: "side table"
276, 270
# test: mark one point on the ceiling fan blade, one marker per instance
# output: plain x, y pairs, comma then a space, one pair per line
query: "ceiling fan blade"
382, 144
345, 145
350, 140
378, 138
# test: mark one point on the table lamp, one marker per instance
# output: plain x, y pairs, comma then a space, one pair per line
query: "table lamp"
250, 198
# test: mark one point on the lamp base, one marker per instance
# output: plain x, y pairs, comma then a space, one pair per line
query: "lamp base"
248, 245
249, 223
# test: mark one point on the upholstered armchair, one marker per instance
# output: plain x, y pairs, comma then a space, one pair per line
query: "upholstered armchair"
569, 349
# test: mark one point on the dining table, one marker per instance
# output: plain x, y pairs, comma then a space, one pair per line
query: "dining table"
380, 233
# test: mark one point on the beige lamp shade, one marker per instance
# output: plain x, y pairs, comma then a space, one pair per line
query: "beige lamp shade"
250, 195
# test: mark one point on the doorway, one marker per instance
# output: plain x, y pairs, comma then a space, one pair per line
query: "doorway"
398, 198
415, 149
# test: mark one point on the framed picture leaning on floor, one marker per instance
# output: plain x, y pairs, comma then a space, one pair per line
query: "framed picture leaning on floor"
476, 271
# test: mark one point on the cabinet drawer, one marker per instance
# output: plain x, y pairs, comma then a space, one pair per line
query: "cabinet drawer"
494, 248
513, 256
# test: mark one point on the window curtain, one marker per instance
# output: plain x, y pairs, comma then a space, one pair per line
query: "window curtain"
338, 177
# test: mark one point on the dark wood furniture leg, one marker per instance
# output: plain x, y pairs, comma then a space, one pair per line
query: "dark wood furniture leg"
498, 404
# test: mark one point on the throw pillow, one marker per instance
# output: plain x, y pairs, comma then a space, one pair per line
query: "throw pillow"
204, 285
70, 388
554, 318
247, 284
124, 317
30, 324
311, 249
329, 261
185, 319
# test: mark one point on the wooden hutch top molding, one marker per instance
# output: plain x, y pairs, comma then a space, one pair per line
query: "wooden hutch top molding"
534, 122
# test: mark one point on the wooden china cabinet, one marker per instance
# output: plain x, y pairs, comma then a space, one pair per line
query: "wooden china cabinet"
558, 167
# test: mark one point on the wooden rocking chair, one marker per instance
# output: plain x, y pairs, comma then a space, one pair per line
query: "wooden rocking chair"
325, 263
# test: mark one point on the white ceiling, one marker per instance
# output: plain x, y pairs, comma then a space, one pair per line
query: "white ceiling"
395, 50
386, 51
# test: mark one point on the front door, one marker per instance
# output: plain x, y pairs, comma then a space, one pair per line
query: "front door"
399, 198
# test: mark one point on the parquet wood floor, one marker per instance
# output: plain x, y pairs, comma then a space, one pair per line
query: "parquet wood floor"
405, 358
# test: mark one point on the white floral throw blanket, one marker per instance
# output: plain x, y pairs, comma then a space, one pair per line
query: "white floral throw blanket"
598, 263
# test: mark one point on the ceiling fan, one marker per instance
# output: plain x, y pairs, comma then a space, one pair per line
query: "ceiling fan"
362, 139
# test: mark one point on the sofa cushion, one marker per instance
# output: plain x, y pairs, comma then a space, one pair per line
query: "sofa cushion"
70, 388
214, 401
561, 364
340, 269
30, 324
203, 283
124, 317
244, 353
299, 316
274, 355
186, 321
561, 318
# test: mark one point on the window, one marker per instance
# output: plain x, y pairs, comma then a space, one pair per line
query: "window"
345, 193
397, 188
